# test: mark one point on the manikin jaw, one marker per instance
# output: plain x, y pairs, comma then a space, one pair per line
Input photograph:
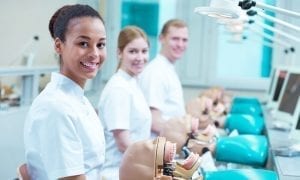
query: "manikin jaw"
154, 159
199, 143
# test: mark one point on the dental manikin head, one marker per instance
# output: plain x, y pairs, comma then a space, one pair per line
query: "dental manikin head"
221, 99
154, 159
199, 108
202, 107
211, 107
185, 132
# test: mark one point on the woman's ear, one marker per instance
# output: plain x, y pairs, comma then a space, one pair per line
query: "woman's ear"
119, 54
58, 45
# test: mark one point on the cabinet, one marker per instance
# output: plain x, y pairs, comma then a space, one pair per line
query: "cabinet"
30, 77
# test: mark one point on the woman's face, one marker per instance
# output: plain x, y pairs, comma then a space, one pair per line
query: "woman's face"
84, 49
134, 56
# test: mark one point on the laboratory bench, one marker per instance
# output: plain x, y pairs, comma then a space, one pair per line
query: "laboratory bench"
288, 168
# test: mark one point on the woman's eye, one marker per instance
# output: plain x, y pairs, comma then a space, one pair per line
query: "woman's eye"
133, 51
101, 45
83, 44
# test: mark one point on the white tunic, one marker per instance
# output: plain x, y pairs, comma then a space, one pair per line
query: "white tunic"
162, 88
122, 106
62, 133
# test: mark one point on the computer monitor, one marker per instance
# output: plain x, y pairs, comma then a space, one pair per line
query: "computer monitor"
290, 94
283, 115
272, 77
279, 77
295, 131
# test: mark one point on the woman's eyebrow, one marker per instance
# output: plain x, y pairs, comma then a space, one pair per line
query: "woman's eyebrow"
88, 38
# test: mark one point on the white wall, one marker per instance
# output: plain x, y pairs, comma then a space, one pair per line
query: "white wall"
279, 56
20, 21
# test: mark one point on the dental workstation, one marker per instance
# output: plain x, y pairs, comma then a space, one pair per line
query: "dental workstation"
150, 89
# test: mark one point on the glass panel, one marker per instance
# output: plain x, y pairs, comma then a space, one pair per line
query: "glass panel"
144, 14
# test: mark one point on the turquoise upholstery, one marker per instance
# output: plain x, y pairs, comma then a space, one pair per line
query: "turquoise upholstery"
241, 174
246, 108
243, 149
245, 100
244, 123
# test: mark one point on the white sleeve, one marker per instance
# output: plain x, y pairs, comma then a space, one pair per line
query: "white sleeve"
154, 88
60, 146
116, 109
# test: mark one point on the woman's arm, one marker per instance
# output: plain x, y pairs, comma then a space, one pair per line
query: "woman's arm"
157, 120
122, 139
78, 177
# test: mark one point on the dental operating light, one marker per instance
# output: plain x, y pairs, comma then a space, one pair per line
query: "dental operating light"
237, 37
223, 9
247, 4
231, 9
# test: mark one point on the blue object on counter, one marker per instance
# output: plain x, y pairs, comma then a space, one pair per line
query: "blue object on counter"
241, 174
243, 149
246, 100
245, 108
244, 123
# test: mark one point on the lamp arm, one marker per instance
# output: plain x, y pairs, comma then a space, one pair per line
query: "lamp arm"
277, 9
271, 38
296, 28
270, 28
247, 4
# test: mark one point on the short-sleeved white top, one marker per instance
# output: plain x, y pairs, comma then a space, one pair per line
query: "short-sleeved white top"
162, 88
122, 106
63, 135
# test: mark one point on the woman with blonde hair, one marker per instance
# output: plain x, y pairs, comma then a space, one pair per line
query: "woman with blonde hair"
123, 109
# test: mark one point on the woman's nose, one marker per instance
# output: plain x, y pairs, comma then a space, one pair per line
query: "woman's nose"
95, 52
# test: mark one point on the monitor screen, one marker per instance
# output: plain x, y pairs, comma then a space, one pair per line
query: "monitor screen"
290, 94
298, 123
280, 80
272, 80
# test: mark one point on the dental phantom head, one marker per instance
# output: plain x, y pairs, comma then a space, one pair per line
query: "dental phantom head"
222, 100
207, 110
154, 159
185, 133
200, 108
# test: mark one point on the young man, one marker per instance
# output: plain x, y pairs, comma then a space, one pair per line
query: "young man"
159, 81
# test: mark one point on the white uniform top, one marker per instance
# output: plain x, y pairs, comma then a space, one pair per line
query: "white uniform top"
122, 106
62, 134
162, 88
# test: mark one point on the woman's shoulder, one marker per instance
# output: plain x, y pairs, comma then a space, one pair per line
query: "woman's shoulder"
117, 82
53, 101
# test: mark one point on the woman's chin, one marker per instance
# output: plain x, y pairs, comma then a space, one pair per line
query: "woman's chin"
91, 75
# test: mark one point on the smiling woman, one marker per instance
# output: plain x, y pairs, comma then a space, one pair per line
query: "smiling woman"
63, 135
83, 51
122, 107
